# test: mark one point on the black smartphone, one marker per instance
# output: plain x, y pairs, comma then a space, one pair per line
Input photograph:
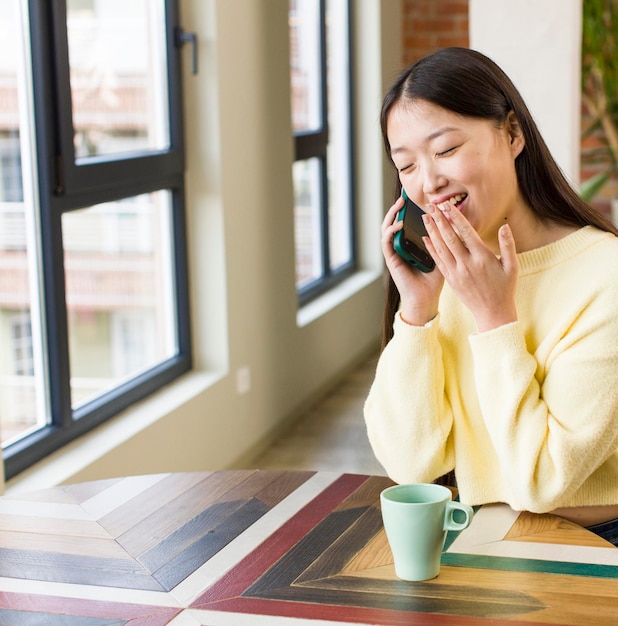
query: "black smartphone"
408, 242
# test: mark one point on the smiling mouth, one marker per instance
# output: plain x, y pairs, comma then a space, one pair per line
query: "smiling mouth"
453, 201
458, 199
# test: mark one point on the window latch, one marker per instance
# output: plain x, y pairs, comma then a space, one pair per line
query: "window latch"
181, 38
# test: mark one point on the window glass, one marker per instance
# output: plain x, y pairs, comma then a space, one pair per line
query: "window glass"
22, 383
118, 70
339, 156
119, 290
307, 220
306, 72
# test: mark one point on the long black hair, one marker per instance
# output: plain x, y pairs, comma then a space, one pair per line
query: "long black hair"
468, 83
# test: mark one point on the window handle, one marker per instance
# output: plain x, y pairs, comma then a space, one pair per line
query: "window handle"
181, 38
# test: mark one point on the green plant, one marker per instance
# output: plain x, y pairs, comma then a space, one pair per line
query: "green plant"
600, 88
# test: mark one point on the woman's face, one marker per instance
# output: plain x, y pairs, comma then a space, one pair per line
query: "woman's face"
469, 162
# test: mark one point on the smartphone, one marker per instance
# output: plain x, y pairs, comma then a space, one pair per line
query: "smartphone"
408, 242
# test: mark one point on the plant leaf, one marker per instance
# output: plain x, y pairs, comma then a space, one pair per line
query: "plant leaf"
589, 188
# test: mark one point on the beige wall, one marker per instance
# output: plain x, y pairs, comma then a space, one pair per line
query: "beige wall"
538, 44
241, 254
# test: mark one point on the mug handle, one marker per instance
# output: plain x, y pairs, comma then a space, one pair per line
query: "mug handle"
449, 521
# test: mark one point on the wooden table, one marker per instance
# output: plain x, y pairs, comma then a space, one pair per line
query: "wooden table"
257, 548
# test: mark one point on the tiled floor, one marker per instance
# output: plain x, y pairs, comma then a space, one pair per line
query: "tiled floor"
331, 436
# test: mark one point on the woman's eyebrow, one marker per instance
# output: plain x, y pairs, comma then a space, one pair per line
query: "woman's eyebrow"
433, 135
439, 132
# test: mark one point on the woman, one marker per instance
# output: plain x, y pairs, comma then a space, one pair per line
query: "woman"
502, 363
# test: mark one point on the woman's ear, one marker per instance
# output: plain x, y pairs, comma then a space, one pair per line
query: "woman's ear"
515, 134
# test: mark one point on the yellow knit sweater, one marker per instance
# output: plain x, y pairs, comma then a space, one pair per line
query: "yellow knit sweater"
527, 413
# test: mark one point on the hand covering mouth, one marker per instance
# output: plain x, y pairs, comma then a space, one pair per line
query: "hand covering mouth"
454, 201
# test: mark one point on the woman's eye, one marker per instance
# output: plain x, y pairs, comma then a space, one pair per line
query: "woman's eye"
406, 168
448, 151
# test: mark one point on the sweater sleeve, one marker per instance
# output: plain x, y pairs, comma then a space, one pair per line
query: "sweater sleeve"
408, 418
552, 426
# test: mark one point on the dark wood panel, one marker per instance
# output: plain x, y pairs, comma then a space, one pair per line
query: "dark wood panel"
176, 568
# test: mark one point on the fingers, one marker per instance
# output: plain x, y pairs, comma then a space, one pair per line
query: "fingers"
390, 219
390, 226
445, 244
459, 229
508, 251
391, 214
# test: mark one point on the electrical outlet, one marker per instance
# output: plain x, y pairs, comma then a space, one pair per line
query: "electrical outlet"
243, 380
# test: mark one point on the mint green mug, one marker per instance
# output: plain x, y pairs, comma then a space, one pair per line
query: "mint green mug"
416, 518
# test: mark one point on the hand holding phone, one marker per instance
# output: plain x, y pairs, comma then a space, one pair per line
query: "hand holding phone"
408, 242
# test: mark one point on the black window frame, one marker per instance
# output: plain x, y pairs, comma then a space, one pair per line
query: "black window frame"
314, 144
66, 184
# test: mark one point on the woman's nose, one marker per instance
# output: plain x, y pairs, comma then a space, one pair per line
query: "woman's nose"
433, 179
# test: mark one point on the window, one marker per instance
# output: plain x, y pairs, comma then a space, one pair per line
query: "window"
320, 60
93, 289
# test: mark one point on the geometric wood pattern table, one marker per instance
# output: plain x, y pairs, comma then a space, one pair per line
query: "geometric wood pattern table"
264, 548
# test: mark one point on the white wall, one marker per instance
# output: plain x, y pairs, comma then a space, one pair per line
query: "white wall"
538, 43
241, 255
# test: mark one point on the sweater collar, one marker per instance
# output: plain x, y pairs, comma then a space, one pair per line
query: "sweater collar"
560, 250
